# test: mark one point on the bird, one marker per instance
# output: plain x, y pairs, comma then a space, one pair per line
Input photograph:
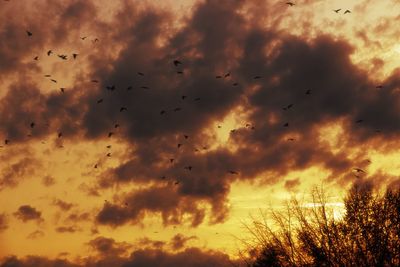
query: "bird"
83, 38
122, 109
108, 154
62, 90
177, 62
197, 99
189, 168
227, 75
257, 77
111, 88
233, 172
177, 109
29, 33
291, 139
110, 134
186, 136
379, 87
109, 146
183, 97
308, 92
177, 182
359, 121
6, 142
32, 124
347, 11
63, 57
49, 52
129, 88
358, 170
290, 3
235, 84
74, 56
337, 10
59, 134
179, 72
171, 160
288, 107
100, 100
144, 87
162, 112
218, 76
286, 125
116, 125
47, 75
141, 73
94, 81
179, 145
96, 40
36, 58
54, 81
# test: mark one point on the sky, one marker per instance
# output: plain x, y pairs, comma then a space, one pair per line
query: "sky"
177, 121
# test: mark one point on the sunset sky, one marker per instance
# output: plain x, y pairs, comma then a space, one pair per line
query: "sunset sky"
178, 119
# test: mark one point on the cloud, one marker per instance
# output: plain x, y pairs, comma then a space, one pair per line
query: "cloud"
3, 222
27, 213
67, 229
64, 206
179, 241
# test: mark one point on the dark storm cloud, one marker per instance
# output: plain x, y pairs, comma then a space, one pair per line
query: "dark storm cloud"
162, 200
27, 213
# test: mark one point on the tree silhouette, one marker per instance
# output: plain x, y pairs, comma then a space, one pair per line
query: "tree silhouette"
368, 234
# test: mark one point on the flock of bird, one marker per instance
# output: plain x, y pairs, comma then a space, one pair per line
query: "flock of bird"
177, 63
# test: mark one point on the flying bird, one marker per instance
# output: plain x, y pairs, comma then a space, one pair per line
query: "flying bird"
141, 73
177, 62
186, 136
235, 84
32, 124
122, 109
108, 154
308, 92
60, 134
162, 112
99, 101
110, 134
286, 125
179, 72
36, 58
111, 88
257, 77
171, 160
177, 109
233, 172
74, 56
83, 38
359, 121
227, 75
29, 33
189, 168
290, 3
62, 90
49, 52
337, 10
129, 88
6, 142
179, 145
379, 87
63, 57
359, 170
347, 11
54, 81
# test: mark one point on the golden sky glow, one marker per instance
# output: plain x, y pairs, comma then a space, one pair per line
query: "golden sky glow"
62, 195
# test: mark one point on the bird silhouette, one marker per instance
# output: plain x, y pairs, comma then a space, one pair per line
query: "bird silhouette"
379, 86
337, 10
189, 168
100, 101
74, 56
83, 38
140, 73
162, 112
177, 63
63, 57
59, 134
179, 72
290, 3
116, 126
347, 11
227, 75
186, 136
233, 172
49, 52
36, 58
6, 142
171, 160
29, 33
122, 109
108, 154
54, 81
308, 92
359, 121
235, 84
286, 125
32, 124
257, 77
359, 170
110, 88
110, 134
179, 145
129, 88
62, 90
